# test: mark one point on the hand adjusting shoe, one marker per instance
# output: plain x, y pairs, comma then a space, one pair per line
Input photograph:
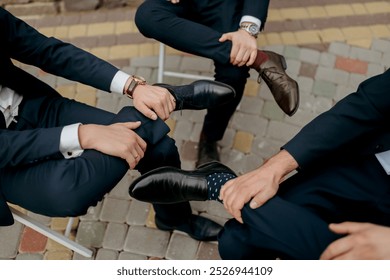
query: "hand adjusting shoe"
284, 89
201, 94
171, 185
197, 227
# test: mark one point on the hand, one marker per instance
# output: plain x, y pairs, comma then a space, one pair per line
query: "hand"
153, 101
117, 140
364, 241
257, 186
244, 47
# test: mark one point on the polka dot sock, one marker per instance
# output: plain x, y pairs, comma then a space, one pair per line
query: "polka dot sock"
214, 183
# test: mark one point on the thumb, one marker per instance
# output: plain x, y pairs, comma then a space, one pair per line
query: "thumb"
224, 37
346, 227
132, 125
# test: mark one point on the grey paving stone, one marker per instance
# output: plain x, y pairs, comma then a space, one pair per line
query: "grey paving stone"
233, 158
181, 247
40, 218
107, 102
189, 63
29, 256
121, 190
266, 147
249, 123
93, 213
114, 237
386, 60
130, 256
91, 234
365, 55
375, 69
114, 210
305, 84
293, 67
189, 151
324, 88
199, 206
292, 52
183, 130
301, 118
356, 79
146, 241
138, 213
145, 61
281, 131
228, 138
339, 48
272, 111
342, 91
310, 56
105, 254
381, 45
215, 208
208, 251
9, 241
327, 60
251, 105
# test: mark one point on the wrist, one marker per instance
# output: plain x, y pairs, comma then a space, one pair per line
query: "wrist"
132, 83
86, 136
282, 163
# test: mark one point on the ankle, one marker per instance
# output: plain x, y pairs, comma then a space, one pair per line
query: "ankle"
260, 59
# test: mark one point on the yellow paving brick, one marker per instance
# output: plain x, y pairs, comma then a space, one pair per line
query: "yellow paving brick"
123, 51
102, 52
60, 255
89, 98
48, 31
262, 40
317, 12
96, 29
84, 89
78, 30
339, 10
362, 43
288, 38
378, 7
308, 37
60, 224
274, 15
172, 51
55, 247
356, 32
359, 9
273, 38
243, 141
331, 35
150, 219
172, 125
294, 13
122, 27
380, 31
251, 88
61, 32
146, 49
133, 27
68, 91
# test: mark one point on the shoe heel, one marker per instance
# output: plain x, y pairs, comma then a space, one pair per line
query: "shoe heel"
283, 61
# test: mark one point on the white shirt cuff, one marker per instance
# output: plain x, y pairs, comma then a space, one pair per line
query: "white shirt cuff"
69, 141
384, 160
119, 81
251, 19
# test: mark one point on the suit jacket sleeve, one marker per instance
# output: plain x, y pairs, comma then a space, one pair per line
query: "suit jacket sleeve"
256, 8
27, 45
359, 115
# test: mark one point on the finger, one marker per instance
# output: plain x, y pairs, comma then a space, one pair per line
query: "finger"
224, 38
337, 248
348, 227
146, 111
252, 58
261, 198
132, 125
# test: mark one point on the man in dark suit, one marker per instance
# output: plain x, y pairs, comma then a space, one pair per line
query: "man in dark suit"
342, 158
59, 156
224, 31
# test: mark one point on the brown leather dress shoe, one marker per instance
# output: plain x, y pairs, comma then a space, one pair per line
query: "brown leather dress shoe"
284, 89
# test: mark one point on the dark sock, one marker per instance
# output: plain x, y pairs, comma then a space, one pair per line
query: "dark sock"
260, 59
214, 183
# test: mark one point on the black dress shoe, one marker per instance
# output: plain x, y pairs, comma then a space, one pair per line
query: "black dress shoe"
197, 227
207, 152
201, 94
171, 185
284, 89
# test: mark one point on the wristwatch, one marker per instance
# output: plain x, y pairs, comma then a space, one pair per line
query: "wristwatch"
136, 81
250, 27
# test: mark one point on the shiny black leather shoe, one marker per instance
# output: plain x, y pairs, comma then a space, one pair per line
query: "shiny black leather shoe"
201, 94
207, 152
171, 185
198, 227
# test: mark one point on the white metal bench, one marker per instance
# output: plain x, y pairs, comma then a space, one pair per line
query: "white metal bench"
62, 239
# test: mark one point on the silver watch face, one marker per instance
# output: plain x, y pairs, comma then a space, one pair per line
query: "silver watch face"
253, 29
